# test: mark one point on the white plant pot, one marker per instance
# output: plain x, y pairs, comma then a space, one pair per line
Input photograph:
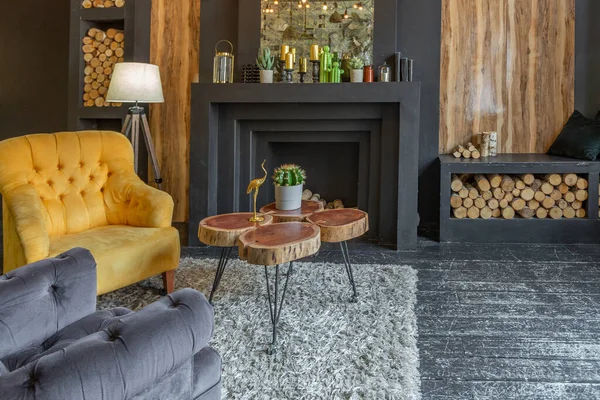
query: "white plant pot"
288, 197
356, 75
266, 76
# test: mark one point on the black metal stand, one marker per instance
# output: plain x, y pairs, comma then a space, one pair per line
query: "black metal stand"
316, 71
302, 77
136, 121
223, 260
288, 76
275, 304
346, 255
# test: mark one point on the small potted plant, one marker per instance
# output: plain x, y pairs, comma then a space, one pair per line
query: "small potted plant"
356, 69
289, 181
265, 62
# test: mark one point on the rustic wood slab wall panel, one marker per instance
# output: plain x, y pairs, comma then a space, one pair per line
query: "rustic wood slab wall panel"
507, 66
175, 48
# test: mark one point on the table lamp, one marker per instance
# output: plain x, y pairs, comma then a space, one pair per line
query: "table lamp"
137, 83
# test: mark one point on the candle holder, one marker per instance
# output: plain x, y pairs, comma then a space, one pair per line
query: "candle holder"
280, 69
288, 76
302, 76
316, 70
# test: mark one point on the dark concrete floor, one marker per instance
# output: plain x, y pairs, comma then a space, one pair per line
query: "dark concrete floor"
499, 321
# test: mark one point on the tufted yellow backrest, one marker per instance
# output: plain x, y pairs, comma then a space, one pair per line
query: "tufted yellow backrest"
69, 171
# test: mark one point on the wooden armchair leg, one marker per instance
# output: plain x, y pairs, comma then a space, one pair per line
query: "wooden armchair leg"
169, 281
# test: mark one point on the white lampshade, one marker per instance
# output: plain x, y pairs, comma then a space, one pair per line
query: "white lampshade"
135, 82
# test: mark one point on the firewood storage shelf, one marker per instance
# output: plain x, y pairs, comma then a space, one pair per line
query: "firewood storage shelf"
519, 230
134, 20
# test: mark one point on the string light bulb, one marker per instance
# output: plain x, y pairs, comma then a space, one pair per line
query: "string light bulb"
299, 4
360, 6
346, 16
307, 5
276, 2
325, 6
355, 5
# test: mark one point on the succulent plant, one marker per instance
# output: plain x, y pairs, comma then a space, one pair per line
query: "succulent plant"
265, 60
289, 175
356, 63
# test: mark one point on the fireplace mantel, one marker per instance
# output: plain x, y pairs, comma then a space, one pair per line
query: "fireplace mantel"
406, 93
229, 120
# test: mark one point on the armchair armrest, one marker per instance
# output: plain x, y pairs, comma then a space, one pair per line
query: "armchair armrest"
26, 208
132, 202
41, 298
126, 357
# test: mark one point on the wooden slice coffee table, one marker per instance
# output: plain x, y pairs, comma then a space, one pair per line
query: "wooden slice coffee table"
339, 226
223, 231
273, 245
308, 208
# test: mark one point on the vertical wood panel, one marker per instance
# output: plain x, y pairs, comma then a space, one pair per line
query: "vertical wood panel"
175, 47
508, 66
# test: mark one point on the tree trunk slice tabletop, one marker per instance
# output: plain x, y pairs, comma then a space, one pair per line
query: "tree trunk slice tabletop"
224, 230
279, 243
308, 208
341, 224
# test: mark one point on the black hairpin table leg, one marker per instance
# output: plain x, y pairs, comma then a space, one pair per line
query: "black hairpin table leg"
223, 260
275, 303
346, 255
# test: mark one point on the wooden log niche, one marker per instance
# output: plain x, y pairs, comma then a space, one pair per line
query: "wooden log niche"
526, 195
102, 50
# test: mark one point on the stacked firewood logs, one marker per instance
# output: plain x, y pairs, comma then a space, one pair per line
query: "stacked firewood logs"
308, 195
466, 151
102, 3
527, 196
101, 51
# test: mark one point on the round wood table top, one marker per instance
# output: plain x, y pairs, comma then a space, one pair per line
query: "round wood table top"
279, 243
224, 230
308, 208
340, 224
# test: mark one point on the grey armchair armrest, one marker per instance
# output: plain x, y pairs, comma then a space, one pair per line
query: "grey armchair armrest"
39, 299
130, 354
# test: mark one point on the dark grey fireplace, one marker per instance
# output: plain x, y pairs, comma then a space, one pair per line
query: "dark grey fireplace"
361, 146
332, 161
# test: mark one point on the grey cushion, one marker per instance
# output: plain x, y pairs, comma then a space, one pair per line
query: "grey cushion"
39, 299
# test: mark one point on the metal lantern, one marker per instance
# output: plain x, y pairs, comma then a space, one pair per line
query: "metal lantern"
223, 65
385, 73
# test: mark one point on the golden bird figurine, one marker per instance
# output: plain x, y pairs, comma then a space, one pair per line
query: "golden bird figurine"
255, 185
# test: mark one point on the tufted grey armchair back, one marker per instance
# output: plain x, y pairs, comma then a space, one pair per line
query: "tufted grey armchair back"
38, 300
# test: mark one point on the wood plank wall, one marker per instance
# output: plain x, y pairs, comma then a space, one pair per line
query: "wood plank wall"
508, 66
175, 46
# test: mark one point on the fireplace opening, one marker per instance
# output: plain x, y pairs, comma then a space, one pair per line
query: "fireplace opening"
332, 168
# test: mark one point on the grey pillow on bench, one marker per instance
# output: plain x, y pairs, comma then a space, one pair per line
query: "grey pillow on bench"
580, 138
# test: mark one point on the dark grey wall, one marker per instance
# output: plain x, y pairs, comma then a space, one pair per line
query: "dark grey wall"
419, 37
34, 44
587, 56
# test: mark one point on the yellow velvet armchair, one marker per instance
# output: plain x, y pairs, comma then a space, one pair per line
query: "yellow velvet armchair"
79, 189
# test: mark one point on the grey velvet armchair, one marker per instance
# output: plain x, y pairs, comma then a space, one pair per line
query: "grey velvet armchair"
55, 345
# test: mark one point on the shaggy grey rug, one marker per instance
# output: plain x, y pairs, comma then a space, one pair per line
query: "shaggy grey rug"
329, 348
